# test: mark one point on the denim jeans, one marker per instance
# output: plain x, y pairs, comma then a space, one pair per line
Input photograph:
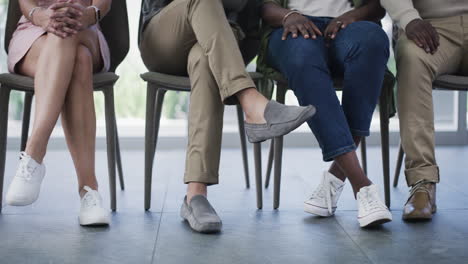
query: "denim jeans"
359, 55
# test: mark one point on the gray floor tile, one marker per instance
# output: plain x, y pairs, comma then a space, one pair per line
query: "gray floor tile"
257, 237
443, 240
58, 238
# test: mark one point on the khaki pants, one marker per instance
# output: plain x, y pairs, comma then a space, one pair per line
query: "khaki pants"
416, 72
193, 37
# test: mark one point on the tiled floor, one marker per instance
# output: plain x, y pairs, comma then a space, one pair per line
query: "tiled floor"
48, 231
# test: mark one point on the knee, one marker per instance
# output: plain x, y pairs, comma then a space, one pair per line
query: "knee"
304, 54
83, 70
197, 61
83, 59
411, 59
370, 37
57, 41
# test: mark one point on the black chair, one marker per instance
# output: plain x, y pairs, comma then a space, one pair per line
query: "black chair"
446, 83
276, 147
115, 29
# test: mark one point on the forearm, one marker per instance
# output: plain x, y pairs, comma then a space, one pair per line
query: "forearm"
273, 14
401, 11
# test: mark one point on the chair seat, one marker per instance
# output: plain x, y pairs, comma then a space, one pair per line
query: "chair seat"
179, 83
451, 82
26, 84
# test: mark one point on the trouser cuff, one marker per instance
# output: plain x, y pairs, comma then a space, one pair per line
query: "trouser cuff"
227, 95
201, 177
429, 173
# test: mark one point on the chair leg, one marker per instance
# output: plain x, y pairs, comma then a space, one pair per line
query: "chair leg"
4, 100
258, 173
243, 141
270, 163
384, 131
119, 158
281, 90
399, 163
149, 128
154, 101
277, 173
364, 154
26, 119
111, 142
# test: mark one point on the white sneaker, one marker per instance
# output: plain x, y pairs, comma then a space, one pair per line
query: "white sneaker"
371, 210
92, 212
324, 199
25, 187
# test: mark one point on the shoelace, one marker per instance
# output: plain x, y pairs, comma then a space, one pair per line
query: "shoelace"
26, 171
91, 198
326, 190
420, 186
372, 202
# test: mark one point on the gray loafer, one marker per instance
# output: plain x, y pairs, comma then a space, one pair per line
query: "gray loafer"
280, 120
200, 215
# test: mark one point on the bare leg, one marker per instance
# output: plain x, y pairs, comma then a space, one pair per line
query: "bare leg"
347, 166
50, 61
79, 119
253, 103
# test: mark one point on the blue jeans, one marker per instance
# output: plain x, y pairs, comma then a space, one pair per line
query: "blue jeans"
359, 55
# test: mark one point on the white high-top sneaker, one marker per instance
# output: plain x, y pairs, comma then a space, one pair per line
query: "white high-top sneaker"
25, 187
371, 210
325, 197
92, 212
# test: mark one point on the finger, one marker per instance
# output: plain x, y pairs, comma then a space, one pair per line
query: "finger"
69, 30
335, 30
327, 31
303, 31
70, 22
310, 30
425, 45
430, 43
70, 8
285, 33
344, 25
436, 37
315, 28
293, 31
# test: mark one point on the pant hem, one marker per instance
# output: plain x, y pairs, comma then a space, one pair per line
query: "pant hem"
360, 133
201, 177
429, 173
329, 156
227, 95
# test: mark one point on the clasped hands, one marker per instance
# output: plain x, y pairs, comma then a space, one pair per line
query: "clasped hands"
64, 18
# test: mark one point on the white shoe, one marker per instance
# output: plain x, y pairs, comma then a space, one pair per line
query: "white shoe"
92, 212
371, 210
325, 197
25, 187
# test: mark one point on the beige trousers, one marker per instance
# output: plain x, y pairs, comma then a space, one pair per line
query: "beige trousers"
416, 72
194, 37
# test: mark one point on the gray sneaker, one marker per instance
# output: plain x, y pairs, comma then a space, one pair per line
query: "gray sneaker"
200, 215
280, 120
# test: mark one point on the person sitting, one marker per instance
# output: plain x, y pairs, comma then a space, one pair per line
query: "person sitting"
432, 43
60, 45
194, 38
309, 42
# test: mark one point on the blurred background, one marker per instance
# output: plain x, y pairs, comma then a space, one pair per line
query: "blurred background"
130, 101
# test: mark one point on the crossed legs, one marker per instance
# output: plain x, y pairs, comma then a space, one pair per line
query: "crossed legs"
62, 71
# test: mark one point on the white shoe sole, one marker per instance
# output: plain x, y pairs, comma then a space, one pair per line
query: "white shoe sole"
15, 201
375, 219
316, 210
95, 220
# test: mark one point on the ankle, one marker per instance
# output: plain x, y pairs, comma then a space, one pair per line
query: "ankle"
82, 191
196, 188
36, 154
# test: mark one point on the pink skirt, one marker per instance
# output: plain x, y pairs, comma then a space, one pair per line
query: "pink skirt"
25, 35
